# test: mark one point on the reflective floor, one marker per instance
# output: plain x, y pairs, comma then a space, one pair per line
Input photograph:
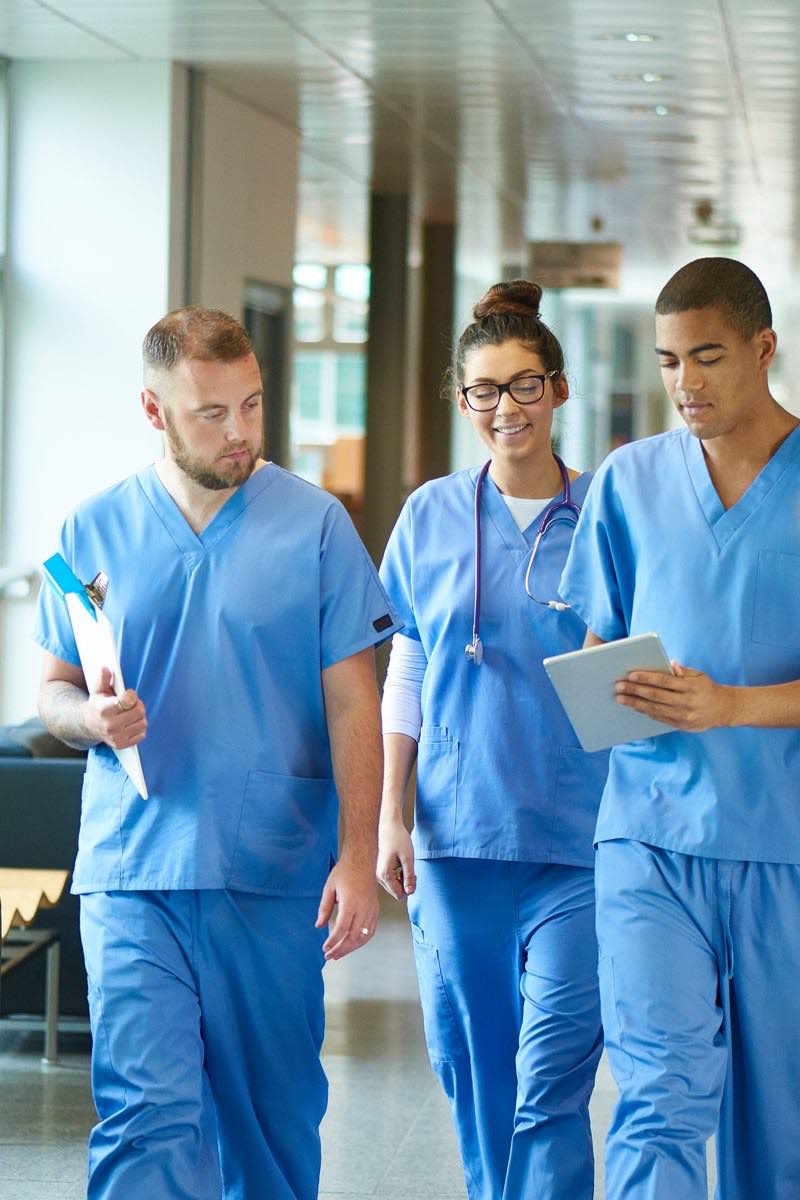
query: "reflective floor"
387, 1133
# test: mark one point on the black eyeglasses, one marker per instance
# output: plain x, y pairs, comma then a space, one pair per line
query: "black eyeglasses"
525, 389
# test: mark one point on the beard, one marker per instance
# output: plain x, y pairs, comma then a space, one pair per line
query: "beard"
228, 475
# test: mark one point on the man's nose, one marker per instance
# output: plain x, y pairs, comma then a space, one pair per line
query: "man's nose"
235, 429
690, 377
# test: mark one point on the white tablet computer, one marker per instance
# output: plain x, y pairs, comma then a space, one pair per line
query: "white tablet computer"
584, 681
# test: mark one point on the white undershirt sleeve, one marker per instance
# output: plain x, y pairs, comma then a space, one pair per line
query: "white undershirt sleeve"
402, 692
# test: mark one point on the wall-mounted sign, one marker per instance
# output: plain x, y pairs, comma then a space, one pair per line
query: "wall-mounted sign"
575, 264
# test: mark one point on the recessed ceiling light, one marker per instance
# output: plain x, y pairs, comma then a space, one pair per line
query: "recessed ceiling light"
653, 110
641, 77
628, 36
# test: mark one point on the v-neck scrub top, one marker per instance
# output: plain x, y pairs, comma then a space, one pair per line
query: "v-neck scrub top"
500, 774
223, 635
656, 551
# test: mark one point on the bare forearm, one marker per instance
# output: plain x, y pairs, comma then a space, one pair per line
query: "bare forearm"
62, 707
775, 707
355, 735
400, 754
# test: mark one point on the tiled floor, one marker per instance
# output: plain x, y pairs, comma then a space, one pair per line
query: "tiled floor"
387, 1133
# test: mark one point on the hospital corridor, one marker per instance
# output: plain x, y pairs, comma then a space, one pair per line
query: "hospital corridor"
399, 578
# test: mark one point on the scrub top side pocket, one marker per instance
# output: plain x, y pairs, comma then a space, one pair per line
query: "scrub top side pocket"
580, 779
437, 790
776, 615
98, 865
286, 836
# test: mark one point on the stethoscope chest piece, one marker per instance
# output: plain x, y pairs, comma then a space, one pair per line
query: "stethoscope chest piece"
474, 651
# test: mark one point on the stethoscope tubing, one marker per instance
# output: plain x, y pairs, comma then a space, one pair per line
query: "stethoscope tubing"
554, 515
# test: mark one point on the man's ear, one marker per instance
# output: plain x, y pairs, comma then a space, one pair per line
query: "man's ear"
767, 341
152, 409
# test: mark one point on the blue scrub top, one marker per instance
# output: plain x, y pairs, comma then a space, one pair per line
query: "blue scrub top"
656, 551
500, 774
223, 635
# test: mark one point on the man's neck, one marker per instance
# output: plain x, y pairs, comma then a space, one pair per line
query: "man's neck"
736, 458
198, 504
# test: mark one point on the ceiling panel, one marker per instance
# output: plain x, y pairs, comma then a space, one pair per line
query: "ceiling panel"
521, 117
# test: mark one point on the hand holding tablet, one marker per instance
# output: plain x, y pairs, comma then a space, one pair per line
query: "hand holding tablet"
585, 682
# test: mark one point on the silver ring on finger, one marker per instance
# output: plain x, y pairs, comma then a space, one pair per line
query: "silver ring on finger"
364, 931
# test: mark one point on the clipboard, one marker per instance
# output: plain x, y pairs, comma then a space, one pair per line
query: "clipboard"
584, 681
97, 646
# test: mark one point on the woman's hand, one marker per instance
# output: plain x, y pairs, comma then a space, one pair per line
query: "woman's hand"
395, 870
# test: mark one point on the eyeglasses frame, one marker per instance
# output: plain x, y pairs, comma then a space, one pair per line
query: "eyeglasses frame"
506, 387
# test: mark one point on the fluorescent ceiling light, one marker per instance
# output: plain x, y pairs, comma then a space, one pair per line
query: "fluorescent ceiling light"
641, 77
628, 36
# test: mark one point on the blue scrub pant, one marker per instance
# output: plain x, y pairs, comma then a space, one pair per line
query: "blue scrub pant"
507, 967
699, 977
207, 1016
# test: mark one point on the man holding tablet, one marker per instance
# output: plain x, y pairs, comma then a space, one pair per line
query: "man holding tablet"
695, 534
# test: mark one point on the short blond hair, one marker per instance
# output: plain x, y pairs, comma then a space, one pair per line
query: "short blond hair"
194, 332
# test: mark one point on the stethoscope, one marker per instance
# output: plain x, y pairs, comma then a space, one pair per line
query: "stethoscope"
566, 505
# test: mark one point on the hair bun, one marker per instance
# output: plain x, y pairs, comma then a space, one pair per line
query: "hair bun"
519, 297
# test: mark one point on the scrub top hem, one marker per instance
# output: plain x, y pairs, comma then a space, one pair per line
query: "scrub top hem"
691, 851
371, 642
515, 855
167, 884
58, 651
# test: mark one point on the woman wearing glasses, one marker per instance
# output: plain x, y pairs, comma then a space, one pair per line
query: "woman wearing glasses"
499, 877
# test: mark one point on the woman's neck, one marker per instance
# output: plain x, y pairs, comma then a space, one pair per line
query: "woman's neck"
527, 480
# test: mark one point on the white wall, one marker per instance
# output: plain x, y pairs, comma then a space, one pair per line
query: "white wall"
245, 199
101, 156
88, 271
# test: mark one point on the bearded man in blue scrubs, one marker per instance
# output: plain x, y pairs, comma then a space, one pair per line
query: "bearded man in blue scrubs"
246, 610
696, 534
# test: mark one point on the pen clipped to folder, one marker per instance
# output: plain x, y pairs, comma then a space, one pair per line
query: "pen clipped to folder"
94, 637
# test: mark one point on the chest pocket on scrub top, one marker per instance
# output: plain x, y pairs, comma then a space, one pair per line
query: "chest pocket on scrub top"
776, 610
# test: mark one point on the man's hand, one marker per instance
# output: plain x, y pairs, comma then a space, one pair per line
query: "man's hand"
689, 699
351, 887
118, 721
395, 858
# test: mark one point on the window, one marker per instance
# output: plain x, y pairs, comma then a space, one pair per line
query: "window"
328, 412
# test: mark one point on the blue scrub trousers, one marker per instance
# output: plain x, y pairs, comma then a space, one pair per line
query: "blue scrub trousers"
507, 967
207, 1016
699, 977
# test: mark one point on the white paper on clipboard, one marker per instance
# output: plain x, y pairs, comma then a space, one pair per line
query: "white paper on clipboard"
97, 648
